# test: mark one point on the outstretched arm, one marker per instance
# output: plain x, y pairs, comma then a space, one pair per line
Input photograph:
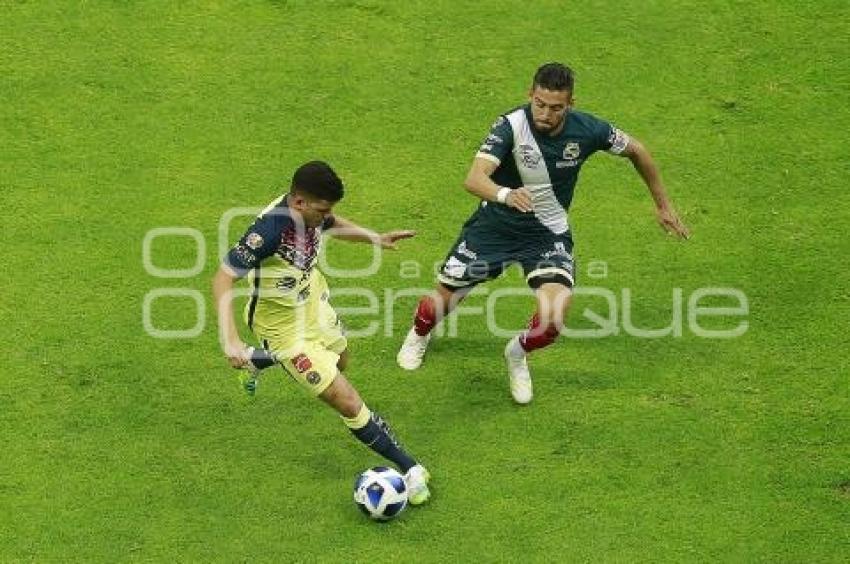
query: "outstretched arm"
645, 166
350, 231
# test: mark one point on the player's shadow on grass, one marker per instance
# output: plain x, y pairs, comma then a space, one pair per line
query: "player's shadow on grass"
478, 369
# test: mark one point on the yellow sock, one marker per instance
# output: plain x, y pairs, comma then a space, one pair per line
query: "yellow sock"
360, 420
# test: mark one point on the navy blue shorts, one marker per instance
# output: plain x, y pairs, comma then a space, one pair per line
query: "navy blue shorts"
481, 253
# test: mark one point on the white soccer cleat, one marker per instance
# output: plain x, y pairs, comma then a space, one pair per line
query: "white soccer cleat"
518, 374
417, 485
412, 350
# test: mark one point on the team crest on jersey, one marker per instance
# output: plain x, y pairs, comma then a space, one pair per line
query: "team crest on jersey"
254, 240
302, 363
571, 150
529, 156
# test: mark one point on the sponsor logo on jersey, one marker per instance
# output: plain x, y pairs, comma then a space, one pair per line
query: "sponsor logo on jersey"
571, 151
486, 147
254, 240
529, 156
286, 284
302, 363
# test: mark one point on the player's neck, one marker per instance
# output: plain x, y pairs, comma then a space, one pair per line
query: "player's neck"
557, 131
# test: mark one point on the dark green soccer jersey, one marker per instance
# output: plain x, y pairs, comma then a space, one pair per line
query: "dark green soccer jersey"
547, 166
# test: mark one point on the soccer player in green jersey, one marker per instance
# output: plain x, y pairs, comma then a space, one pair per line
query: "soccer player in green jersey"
525, 173
289, 310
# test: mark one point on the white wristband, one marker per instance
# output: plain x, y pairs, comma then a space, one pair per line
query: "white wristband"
502, 195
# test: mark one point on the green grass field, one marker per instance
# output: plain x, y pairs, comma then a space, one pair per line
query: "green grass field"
121, 117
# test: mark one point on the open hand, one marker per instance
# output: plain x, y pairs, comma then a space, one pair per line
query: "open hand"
670, 222
388, 239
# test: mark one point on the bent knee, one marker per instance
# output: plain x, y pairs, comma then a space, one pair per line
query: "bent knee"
343, 361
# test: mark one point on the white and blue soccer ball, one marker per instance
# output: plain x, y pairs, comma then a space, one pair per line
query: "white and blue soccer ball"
380, 493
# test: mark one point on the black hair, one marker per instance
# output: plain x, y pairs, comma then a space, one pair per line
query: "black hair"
317, 179
554, 76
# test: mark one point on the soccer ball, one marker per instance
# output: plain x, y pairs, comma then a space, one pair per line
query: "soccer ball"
380, 493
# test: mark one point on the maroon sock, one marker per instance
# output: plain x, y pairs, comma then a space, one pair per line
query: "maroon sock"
537, 336
426, 316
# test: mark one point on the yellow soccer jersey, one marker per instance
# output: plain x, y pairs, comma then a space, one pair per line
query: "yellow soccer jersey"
279, 255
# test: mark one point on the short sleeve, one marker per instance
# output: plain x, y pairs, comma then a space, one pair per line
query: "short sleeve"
499, 141
259, 242
610, 138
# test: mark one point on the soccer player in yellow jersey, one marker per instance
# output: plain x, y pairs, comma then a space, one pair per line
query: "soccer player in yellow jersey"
289, 311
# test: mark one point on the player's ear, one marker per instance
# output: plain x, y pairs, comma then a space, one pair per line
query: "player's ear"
296, 200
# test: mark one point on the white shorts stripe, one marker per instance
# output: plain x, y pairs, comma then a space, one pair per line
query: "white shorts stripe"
550, 270
452, 282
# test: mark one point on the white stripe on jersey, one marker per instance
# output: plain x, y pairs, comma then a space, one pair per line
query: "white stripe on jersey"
532, 170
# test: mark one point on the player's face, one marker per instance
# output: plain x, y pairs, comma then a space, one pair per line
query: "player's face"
313, 212
549, 108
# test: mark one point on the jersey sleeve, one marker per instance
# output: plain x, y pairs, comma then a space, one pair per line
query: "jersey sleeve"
499, 141
609, 137
260, 241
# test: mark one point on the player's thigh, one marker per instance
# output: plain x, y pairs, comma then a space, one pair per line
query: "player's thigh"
342, 396
475, 257
323, 324
548, 261
309, 363
447, 298
327, 328
553, 302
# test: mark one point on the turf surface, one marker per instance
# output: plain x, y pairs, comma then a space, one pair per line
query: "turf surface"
121, 117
